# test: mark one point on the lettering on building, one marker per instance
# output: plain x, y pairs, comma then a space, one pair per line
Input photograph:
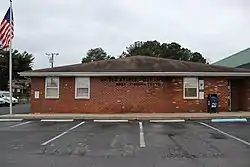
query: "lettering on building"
134, 81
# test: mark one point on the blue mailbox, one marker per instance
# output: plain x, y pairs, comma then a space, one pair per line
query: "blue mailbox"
212, 103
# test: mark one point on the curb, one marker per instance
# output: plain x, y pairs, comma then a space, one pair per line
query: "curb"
214, 120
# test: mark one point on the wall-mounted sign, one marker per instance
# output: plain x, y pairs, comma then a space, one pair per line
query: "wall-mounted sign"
36, 95
201, 95
134, 81
201, 84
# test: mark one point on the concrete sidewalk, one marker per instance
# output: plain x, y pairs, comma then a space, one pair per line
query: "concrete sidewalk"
131, 116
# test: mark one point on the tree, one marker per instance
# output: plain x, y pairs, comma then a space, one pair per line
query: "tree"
96, 54
148, 48
20, 62
197, 57
156, 49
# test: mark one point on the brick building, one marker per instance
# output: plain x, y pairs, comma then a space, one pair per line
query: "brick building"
137, 84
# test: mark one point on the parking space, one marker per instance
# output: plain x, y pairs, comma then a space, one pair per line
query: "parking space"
123, 144
4, 125
195, 144
240, 130
17, 143
31, 134
98, 140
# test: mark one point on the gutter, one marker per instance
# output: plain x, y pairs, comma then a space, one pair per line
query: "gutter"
97, 74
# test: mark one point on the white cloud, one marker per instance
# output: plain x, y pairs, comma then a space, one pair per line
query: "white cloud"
214, 28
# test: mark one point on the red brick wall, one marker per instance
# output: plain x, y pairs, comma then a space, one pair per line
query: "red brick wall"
106, 97
218, 85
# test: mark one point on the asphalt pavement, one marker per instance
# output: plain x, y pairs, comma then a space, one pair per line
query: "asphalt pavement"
17, 109
132, 143
236, 129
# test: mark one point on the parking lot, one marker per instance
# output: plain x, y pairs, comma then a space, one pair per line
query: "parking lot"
17, 109
135, 143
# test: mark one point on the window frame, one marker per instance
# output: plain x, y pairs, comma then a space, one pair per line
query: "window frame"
76, 87
46, 88
197, 88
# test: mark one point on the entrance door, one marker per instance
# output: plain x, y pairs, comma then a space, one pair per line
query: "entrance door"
237, 94
229, 96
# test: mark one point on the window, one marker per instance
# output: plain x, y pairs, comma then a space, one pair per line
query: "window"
190, 88
82, 88
52, 88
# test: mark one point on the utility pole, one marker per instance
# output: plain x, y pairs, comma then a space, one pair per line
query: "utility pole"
51, 58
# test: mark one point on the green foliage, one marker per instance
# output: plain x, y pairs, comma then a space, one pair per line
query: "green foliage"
20, 62
148, 48
156, 49
96, 54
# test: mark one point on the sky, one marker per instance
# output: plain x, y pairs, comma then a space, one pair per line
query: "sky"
215, 28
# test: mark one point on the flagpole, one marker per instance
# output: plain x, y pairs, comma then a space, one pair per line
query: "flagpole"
10, 57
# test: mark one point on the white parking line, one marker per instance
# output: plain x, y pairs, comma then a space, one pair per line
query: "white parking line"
111, 121
167, 121
57, 120
229, 120
218, 130
142, 141
6, 120
60, 135
24, 123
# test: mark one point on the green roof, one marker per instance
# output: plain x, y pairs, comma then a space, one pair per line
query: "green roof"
235, 60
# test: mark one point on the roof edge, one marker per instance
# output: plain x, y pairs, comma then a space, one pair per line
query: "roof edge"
98, 74
229, 57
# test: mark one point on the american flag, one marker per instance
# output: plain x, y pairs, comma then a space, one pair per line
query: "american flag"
7, 29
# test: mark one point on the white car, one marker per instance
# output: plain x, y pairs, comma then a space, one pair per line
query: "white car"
5, 96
